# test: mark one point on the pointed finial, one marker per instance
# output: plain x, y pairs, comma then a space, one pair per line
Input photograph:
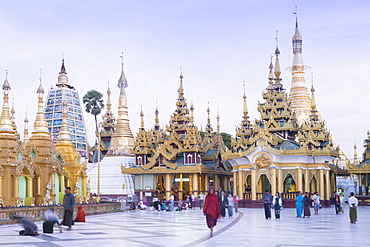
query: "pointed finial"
6, 85
40, 89
312, 88
181, 86
12, 111
271, 72
277, 43
122, 81
218, 121
142, 118
121, 59
156, 126
26, 118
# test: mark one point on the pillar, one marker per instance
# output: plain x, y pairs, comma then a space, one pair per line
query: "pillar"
254, 185
216, 183
53, 188
180, 188
327, 185
307, 181
360, 183
191, 183
29, 186
62, 185
84, 191
280, 181
167, 183
15, 180
240, 183
299, 180
225, 183
273, 180
38, 185
1, 187
200, 183
236, 185
321, 183
195, 184
206, 182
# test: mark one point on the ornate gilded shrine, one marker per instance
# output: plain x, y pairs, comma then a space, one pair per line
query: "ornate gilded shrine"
276, 152
361, 170
35, 171
177, 160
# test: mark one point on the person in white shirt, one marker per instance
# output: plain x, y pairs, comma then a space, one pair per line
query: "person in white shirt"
172, 201
201, 199
316, 202
353, 203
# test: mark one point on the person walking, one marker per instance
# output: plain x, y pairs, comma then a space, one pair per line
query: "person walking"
306, 206
316, 202
172, 201
211, 209
223, 203
298, 204
236, 203
230, 205
341, 197
337, 202
267, 200
277, 204
69, 203
353, 203
201, 200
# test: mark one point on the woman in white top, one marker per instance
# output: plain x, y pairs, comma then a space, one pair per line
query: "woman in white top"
316, 202
353, 203
277, 203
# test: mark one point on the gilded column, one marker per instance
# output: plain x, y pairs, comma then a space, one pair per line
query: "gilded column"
307, 181
180, 188
191, 183
1, 187
253, 185
15, 180
62, 185
216, 183
168, 186
321, 183
84, 191
225, 184
280, 181
38, 185
53, 188
29, 187
299, 180
235, 180
273, 181
240, 183
360, 183
195, 184
327, 187
200, 183
206, 182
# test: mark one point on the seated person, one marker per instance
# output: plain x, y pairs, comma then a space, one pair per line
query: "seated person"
163, 206
142, 206
179, 205
80, 215
30, 228
51, 218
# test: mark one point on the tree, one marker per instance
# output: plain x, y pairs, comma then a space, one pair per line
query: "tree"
226, 137
93, 104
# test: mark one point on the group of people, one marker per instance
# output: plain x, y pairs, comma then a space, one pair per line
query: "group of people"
303, 204
215, 207
52, 219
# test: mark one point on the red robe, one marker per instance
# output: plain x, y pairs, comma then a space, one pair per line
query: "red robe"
211, 206
80, 215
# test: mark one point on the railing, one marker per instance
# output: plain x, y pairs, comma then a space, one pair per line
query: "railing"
285, 195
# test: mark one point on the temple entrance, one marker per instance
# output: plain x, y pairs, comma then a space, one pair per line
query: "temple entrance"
289, 184
248, 184
313, 185
263, 184
22, 187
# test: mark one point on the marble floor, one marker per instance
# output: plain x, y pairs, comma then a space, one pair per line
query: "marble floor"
188, 228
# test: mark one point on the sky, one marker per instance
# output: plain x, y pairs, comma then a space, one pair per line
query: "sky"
218, 44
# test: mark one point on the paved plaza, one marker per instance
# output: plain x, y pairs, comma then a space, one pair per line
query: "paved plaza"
188, 228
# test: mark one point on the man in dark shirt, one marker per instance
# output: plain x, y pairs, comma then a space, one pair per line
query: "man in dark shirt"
69, 204
267, 200
222, 201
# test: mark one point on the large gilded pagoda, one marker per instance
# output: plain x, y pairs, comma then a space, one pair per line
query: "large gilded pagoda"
278, 154
178, 160
35, 171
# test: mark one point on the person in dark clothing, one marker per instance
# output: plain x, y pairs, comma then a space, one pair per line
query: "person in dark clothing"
267, 200
337, 202
69, 203
222, 201
306, 205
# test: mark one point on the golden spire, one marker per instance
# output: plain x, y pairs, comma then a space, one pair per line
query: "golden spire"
156, 126
271, 75
313, 102
122, 140
218, 121
209, 126
142, 119
5, 120
25, 132
355, 159
64, 135
63, 78
245, 109
181, 87
277, 61
40, 125
12, 111
191, 117
109, 103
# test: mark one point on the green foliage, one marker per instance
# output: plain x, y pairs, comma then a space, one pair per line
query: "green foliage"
226, 137
93, 104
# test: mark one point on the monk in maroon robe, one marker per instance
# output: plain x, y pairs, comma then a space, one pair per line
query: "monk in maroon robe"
80, 215
211, 209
